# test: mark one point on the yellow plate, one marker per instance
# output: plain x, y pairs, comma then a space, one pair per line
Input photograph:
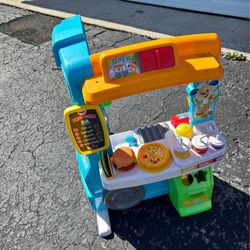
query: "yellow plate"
153, 157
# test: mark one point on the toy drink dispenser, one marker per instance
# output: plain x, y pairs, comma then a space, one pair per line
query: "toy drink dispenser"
173, 157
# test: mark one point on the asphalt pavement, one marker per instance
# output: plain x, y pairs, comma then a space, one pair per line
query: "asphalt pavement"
234, 32
42, 205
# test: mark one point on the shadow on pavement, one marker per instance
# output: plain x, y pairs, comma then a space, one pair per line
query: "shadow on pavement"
154, 224
234, 32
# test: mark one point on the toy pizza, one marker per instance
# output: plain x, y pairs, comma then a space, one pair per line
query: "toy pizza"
154, 157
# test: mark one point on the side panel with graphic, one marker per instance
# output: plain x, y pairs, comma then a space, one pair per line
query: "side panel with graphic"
202, 98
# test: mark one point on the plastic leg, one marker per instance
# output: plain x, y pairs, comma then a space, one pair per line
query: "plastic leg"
103, 223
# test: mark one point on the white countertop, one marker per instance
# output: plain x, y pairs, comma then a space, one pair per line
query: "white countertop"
178, 167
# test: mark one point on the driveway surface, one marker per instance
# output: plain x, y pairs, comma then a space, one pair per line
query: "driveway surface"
234, 32
42, 205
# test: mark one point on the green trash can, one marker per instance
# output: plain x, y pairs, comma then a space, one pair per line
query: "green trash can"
191, 194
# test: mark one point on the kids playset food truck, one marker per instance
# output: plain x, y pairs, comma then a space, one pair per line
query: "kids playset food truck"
174, 157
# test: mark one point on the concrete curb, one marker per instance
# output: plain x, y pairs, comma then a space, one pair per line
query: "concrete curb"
100, 23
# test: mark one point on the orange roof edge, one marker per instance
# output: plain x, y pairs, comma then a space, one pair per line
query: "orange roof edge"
197, 58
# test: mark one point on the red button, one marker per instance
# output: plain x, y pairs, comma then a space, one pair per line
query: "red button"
165, 57
148, 60
159, 58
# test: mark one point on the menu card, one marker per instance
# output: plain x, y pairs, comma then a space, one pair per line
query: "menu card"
87, 128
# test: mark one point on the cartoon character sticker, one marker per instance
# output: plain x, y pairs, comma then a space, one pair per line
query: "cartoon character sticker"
132, 67
203, 97
123, 66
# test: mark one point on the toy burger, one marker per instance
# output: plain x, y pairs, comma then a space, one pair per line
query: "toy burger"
124, 159
200, 144
181, 147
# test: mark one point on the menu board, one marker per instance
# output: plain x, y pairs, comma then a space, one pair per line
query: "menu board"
87, 128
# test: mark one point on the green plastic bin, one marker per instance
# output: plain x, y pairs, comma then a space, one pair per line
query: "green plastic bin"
191, 194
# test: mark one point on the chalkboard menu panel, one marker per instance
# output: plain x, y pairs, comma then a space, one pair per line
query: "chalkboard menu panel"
87, 128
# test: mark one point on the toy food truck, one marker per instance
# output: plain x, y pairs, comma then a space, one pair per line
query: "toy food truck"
173, 157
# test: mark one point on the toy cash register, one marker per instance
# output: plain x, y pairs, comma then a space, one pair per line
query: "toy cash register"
174, 157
